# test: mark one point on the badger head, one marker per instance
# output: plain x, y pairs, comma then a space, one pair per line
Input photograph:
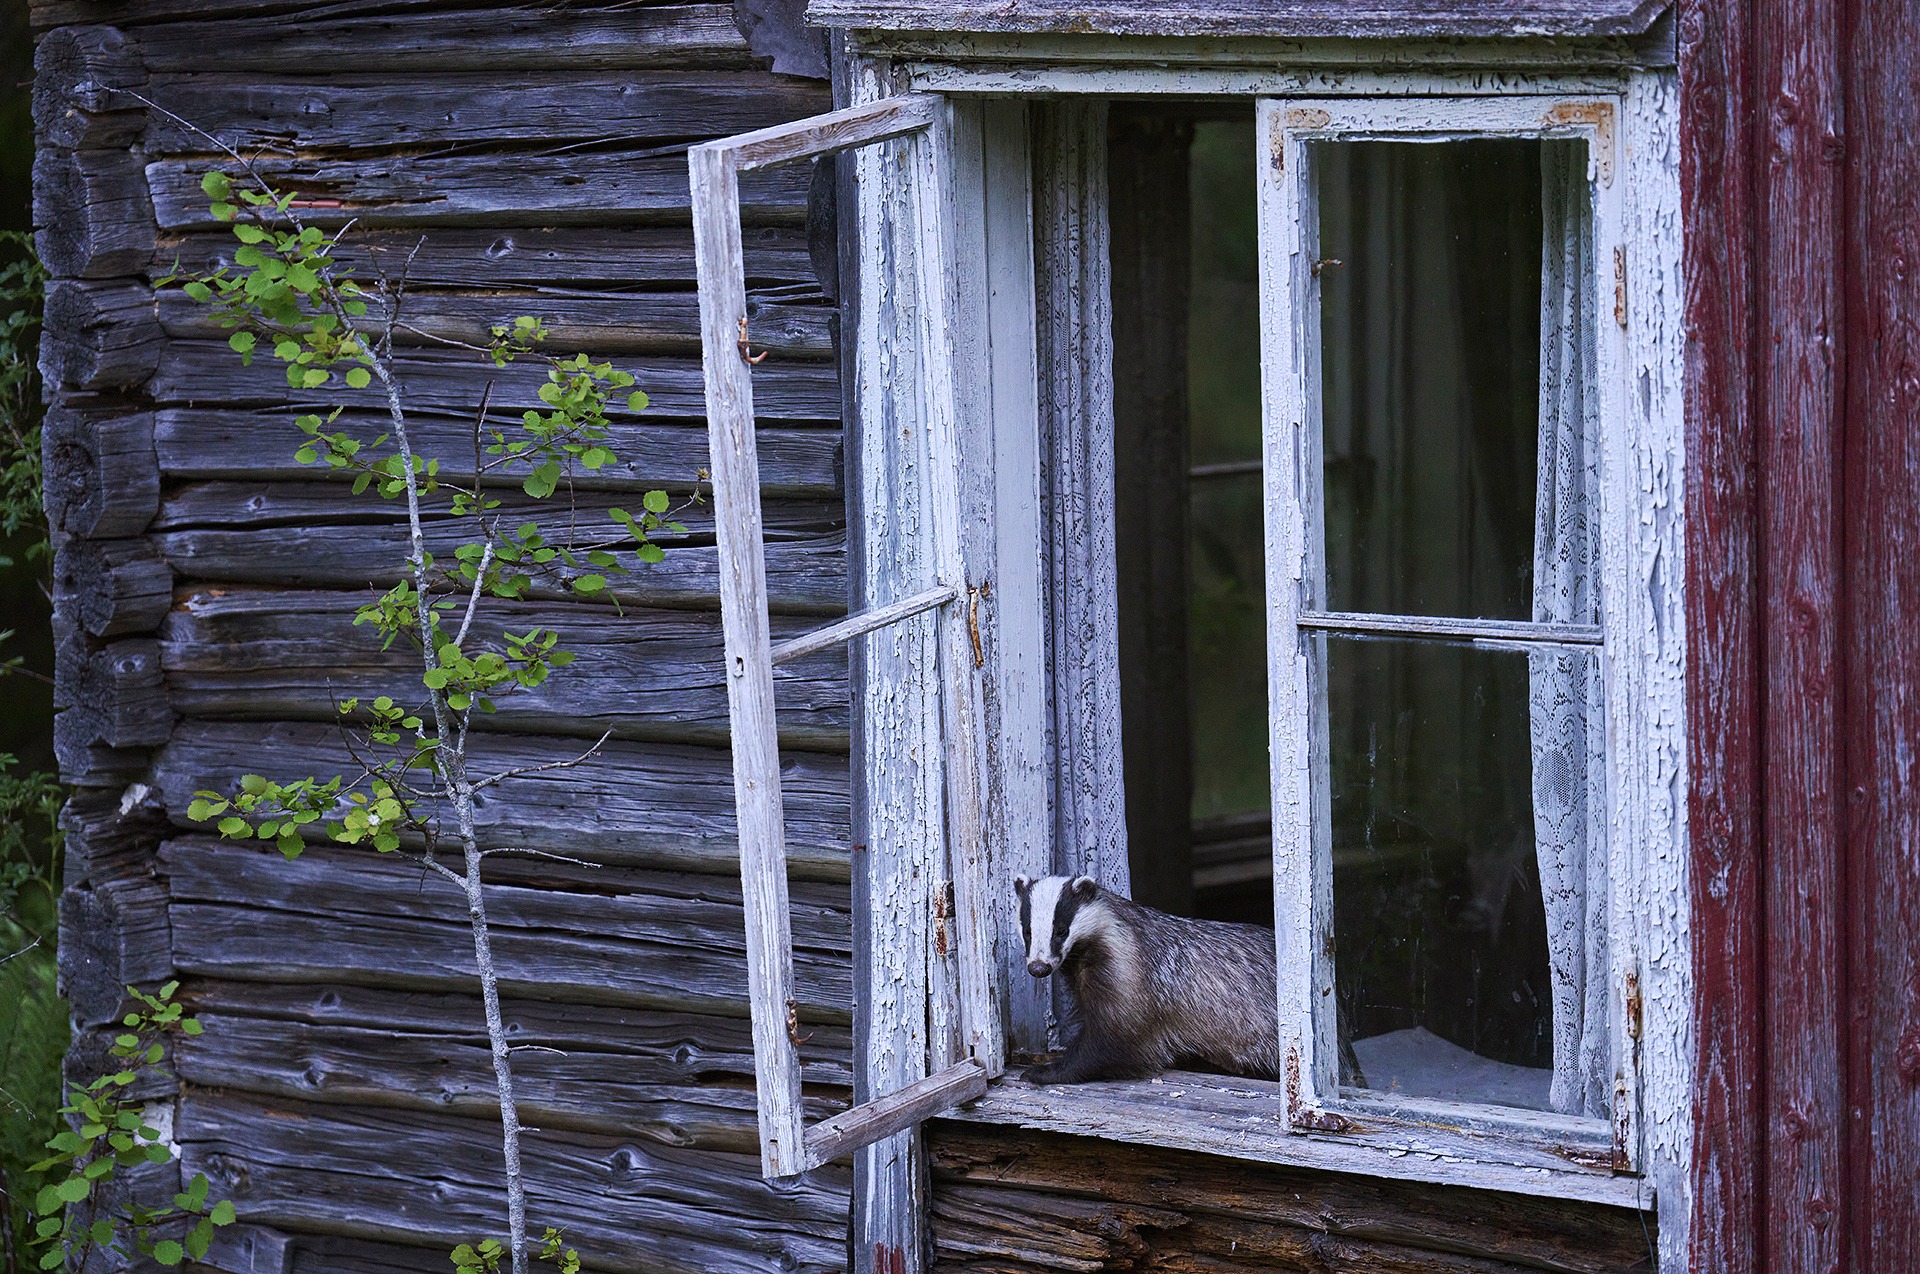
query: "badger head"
1054, 917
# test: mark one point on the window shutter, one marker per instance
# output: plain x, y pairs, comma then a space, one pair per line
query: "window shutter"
788, 1147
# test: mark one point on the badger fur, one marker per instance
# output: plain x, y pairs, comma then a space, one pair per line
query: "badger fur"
1151, 990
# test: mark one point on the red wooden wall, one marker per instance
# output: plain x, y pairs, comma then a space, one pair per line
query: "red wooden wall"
1801, 180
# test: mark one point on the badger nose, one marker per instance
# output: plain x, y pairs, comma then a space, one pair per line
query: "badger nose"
1039, 968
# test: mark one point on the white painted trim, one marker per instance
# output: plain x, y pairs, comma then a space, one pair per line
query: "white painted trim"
1370, 81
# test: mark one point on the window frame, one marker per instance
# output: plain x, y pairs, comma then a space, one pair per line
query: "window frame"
1286, 129
998, 393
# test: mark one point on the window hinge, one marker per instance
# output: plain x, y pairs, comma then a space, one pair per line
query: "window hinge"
1620, 285
1633, 1005
943, 909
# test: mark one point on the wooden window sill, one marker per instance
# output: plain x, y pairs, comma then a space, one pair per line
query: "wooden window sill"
1246, 1119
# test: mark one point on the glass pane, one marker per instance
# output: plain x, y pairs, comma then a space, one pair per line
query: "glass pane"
1227, 644
1441, 965
1430, 291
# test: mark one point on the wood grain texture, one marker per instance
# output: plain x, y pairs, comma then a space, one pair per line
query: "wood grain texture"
1295, 18
406, 1176
93, 213
645, 803
97, 461
645, 939
1723, 637
1046, 1201
114, 935
1802, 346
275, 655
99, 336
112, 587
1879, 655
363, 110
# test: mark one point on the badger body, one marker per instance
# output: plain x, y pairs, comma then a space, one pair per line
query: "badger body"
1151, 990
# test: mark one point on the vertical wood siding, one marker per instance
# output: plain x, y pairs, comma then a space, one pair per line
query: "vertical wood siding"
1799, 163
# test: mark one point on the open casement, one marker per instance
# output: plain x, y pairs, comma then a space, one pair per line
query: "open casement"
915, 128
1294, 137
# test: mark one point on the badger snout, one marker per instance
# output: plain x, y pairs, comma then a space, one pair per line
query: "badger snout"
1040, 968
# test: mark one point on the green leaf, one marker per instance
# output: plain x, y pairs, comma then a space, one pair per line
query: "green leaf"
167, 1252
234, 826
590, 584
655, 501
636, 401
216, 185
72, 1190
358, 377
222, 1213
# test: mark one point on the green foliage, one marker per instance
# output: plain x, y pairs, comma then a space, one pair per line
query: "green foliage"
108, 1134
22, 284
33, 1022
485, 1256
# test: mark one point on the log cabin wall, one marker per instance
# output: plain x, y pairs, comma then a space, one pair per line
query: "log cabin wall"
341, 1093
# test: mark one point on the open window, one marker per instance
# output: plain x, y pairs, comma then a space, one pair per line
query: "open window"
1245, 481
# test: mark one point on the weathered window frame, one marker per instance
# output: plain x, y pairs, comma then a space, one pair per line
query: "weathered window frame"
1001, 396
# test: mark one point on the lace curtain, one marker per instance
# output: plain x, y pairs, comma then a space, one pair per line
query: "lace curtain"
1564, 699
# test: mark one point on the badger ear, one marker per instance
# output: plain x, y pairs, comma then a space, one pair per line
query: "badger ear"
1085, 886
1021, 884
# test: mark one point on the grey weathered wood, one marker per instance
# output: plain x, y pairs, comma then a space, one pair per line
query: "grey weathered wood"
629, 803
839, 130
1248, 1119
389, 38
111, 834
392, 1174
675, 1047
112, 695
452, 382
588, 1089
259, 444
866, 621
1290, 18
1061, 1201
749, 664
805, 576
1507, 632
99, 336
901, 1109
650, 939
113, 587
566, 188
94, 215
606, 323
76, 70
249, 1249
113, 935
371, 110
279, 655
469, 257
98, 464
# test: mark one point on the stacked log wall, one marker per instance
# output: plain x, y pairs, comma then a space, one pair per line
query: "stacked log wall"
342, 1092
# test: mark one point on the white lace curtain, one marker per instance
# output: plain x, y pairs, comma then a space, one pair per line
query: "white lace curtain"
1564, 700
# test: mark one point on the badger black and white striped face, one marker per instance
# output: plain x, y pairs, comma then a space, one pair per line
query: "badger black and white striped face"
1049, 909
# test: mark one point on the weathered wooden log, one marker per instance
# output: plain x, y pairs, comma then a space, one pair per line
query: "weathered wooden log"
587, 1090
1074, 1195
803, 577
408, 1176
114, 697
361, 111
334, 1254
497, 256
248, 1249
94, 213
112, 587
641, 803
112, 936
86, 761
577, 188
101, 476
90, 1055
607, 323
110, 835
384, 37
259, 444
77, 74
99, 336
452, 383
274, 655
662, 1047
663, 940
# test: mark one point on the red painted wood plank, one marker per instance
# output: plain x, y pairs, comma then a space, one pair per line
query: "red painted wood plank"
1722, 636
1795, 148
1882, 512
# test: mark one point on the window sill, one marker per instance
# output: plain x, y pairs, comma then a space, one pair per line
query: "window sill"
1246, 1119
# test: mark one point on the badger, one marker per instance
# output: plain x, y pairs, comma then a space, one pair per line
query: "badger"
1150, 990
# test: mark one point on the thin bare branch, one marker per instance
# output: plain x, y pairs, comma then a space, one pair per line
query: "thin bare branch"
504, 775
538, 853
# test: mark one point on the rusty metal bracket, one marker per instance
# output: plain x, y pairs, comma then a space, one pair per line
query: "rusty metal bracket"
746, 353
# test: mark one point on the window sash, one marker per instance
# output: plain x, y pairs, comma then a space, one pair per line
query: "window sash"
1303, 900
